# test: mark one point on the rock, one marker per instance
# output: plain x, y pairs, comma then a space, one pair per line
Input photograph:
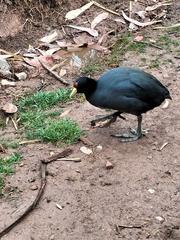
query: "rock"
151, 190
4, 65
34, 187
21, 76
52, 237
109, 165
99, 147
32, 179
48, 199
5, 82
9, 108
160, 219
86, 150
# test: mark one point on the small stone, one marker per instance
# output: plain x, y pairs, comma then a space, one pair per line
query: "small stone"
109, 165
99, 147
9, 108
160, 219
48, 199
21, 76
32, 179
52, 237
59, 206
151, 190
86, 150
34, 187
153, 147
21, 164
149, 157
5, 82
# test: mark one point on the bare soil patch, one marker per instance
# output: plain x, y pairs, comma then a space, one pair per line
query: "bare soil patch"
138, 198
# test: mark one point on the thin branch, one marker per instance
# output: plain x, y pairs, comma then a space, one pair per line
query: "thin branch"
43, 171
54, 74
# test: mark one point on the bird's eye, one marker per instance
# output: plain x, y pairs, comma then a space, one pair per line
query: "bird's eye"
75, 84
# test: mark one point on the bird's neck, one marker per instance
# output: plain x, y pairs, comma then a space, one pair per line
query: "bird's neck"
91, 87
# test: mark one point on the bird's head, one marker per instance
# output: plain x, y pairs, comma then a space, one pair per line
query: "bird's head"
84, 85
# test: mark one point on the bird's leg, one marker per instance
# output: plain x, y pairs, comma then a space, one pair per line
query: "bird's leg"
132, 135
111, 117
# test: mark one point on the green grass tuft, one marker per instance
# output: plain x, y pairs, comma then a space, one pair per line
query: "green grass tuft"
166, 42
91, 68
9, 144
7, 167
45, 100
46, 125
64, 130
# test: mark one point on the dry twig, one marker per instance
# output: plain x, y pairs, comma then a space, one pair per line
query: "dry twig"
53, 73
43, 170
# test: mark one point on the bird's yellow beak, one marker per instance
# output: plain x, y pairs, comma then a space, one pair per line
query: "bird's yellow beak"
74, 91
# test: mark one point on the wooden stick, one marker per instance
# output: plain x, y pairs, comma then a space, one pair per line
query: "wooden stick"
172, 26
106, 9
54, 74
43, 171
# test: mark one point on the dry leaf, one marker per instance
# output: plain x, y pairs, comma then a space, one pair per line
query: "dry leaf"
119, 20
133, 27
64, 44
86, 150
98, 19
35, 61
62, 72
82, 39
75, 13
50, 38
138, 38
9, 108
92, 32
49, 51
5, 82
140, 24
141, 14
76, 48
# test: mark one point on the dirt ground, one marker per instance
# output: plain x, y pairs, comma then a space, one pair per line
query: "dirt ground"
140, 192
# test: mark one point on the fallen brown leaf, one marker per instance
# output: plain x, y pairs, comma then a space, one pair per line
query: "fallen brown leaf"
98, 19
140, 24
50, 38
92, 32
75, 13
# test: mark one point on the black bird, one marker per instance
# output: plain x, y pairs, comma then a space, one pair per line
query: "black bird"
127, 90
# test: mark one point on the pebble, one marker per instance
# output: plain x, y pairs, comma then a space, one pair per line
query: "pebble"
151, 190
52, 237
34, 187
109, 165
21, 76
160, 219
31, 179
99, 147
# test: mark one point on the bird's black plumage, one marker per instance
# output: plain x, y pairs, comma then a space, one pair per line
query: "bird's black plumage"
124, 89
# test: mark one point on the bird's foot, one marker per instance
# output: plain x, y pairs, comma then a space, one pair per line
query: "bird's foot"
143, 131
107, 119
128, 137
